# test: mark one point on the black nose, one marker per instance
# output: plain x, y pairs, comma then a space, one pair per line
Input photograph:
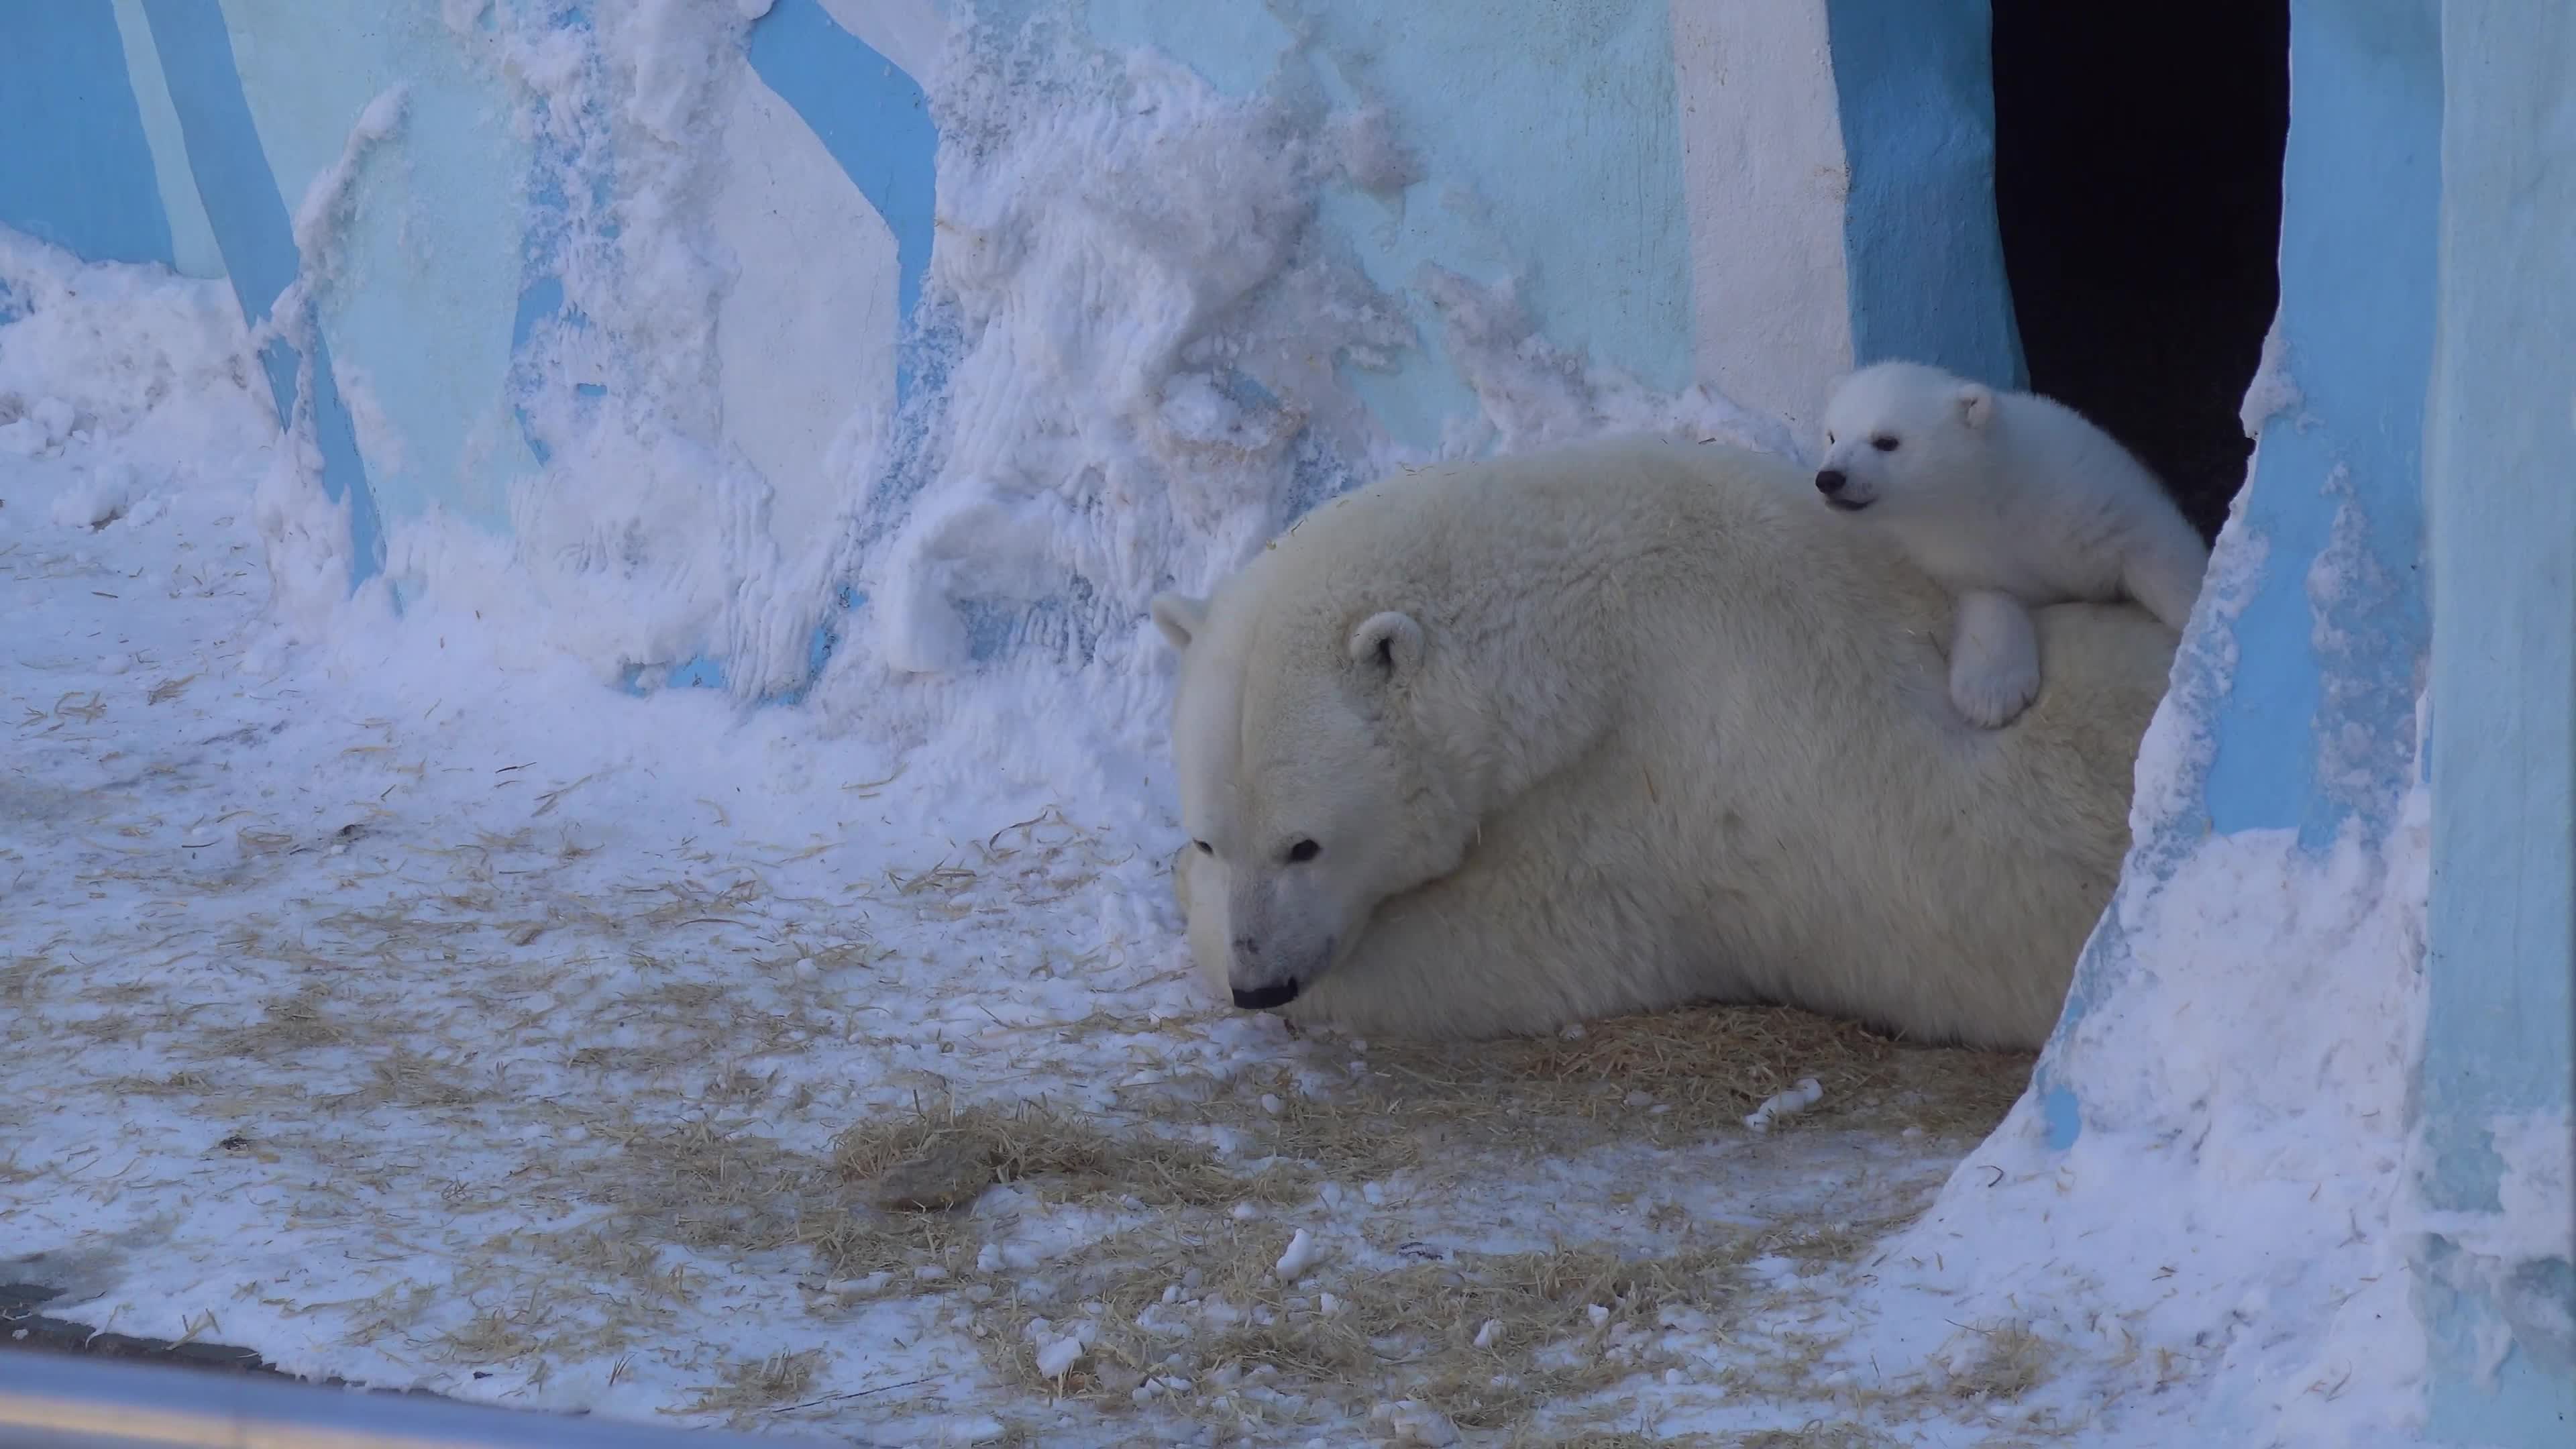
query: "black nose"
1830, 481
1262, 998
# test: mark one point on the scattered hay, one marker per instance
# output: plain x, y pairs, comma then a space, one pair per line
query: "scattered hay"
297, 1021
1485, 1339
932, 1160
2011, 1362
751, 1385
699, 992
1813, 1436
707, 1187
1670, 1079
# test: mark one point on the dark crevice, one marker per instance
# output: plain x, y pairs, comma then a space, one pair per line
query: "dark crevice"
2138, 185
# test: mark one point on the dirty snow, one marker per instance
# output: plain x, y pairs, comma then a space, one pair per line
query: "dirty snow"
410, 1007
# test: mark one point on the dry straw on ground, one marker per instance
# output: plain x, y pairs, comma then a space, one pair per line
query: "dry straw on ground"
675, 1148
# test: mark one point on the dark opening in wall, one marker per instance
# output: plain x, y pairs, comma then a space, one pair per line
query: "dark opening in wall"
2138, 185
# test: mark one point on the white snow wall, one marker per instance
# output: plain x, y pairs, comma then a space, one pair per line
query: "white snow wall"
715, 337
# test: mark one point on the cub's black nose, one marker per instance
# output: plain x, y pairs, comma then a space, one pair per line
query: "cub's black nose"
1262, 998
1831, 481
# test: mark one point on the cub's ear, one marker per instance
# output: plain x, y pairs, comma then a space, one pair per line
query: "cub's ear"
1390, 642
1180, 617
1976, 404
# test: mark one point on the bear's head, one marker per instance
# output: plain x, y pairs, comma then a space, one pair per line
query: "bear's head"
1902, 437
1309, 784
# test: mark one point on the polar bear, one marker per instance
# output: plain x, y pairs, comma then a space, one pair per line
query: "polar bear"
2010, 501
1488, 748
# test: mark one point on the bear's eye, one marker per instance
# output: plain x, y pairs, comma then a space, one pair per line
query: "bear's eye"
1884, 442
1829, 440
1204, 847
1303, 851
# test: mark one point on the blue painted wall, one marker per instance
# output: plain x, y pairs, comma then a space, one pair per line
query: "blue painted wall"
2500, 1044
75, 169
1549, 139
2361, 199
258, 241
1924, 257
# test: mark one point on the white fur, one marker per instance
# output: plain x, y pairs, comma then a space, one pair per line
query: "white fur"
1648, 727
2010, 501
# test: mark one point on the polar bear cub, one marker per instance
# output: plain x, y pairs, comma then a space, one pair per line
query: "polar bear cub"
2011, 501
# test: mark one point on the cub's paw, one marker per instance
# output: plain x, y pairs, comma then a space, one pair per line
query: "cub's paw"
1994, 696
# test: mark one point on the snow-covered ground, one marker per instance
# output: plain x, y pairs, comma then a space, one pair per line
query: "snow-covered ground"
410, 1008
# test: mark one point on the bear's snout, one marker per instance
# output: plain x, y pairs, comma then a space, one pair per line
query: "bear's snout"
1263, 976
1263, 998
1832, 482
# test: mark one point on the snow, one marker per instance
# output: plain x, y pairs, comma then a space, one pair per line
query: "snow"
386, 982
96, 501
1301, 1254
2273, 392
1807, 1093
1057, 1359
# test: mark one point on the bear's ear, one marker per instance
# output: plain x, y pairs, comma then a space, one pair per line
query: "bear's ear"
1390, 642
1180, 617
1976, 404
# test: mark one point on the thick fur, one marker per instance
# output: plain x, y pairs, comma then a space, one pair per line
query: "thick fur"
2011, 501
1626, 726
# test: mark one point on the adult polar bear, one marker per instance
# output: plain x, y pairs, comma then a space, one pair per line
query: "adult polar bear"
1492, 747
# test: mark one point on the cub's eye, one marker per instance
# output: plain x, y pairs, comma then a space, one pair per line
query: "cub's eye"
1884, 442
1303, 851
1204, 847
1829, 440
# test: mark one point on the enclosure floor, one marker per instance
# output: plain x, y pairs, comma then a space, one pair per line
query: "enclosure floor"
421, 1023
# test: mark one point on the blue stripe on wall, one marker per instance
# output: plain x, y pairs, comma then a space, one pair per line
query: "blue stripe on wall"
2361, 202
1923, 255
88, 185
251, 227
875, 121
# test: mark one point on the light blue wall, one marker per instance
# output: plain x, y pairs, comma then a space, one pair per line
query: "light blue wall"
251, 226
1921, 247
418, 307
2501, 1038
2361, 191
75, 168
